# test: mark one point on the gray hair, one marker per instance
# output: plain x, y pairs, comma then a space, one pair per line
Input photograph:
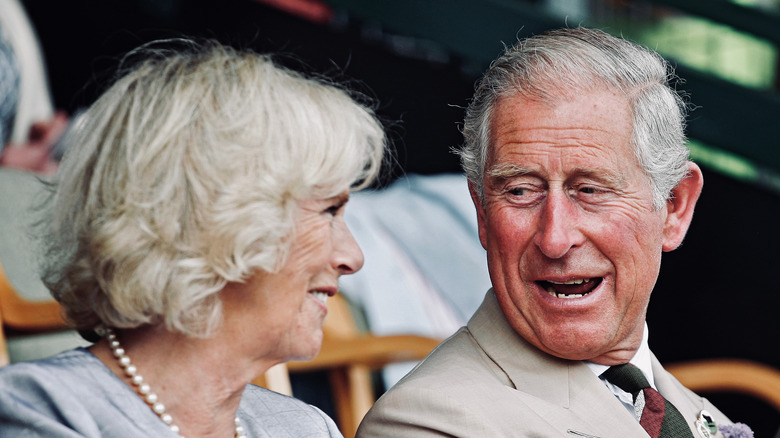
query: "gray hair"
551, 66
185, 175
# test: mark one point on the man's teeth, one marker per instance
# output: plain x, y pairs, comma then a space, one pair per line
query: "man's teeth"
321, 296
576, 281
552, 292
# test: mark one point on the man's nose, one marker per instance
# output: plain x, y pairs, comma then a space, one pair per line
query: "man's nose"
347, 255
558, 228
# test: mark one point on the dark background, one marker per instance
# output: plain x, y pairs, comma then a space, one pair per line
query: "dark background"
716, 296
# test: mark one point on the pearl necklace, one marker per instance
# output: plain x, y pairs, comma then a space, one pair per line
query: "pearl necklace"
144, 390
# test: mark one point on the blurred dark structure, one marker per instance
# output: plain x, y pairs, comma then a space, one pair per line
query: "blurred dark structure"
715, 296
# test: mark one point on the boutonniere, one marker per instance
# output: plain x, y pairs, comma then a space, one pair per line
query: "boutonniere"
738, 430
706, 426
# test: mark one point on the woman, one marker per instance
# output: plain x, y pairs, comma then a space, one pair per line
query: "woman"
197, 230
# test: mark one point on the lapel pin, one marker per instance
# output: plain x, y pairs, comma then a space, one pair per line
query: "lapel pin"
707, 421
702, 428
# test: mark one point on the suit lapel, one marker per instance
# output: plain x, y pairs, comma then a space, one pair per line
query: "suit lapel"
677, 395
574, 398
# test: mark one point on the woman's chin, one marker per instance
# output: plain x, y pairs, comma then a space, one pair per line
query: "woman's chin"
306, 351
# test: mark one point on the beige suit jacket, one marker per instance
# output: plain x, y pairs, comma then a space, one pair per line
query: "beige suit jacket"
487, 381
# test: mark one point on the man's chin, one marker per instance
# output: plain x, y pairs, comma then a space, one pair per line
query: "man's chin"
573, 348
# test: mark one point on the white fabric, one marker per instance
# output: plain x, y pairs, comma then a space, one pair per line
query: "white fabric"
35, 103
642, 361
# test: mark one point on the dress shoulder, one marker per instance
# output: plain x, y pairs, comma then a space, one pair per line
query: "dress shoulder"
266, 413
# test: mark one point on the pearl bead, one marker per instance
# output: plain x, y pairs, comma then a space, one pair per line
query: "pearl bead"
130, 370
137, 380
166, 418
124, 361
144, 389
151, 398
159, 408
119, 352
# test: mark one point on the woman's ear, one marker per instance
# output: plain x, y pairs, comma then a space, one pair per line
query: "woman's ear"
680, 207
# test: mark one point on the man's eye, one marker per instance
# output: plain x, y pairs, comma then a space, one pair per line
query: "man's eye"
589, 190
518, 191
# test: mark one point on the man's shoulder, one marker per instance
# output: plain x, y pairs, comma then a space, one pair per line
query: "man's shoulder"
444, 394
459, 358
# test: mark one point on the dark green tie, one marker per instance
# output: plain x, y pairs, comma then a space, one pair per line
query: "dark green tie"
659, 417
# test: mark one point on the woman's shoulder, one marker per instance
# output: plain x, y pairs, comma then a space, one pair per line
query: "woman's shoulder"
41, 393
264, 411
66, 365
71, 394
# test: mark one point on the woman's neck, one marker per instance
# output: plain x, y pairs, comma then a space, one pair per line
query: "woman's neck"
198, 380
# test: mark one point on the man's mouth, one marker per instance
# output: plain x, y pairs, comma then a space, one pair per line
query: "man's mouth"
576, 288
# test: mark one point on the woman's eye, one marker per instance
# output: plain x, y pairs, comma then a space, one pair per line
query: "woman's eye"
334, 209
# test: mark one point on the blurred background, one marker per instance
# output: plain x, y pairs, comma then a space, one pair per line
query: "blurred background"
716, 296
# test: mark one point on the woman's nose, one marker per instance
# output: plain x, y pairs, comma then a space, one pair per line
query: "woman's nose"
347, 255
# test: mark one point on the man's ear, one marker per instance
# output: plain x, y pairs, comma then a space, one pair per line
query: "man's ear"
680, 207
480, 214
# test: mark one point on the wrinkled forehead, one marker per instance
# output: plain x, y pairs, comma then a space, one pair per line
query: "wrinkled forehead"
601, 118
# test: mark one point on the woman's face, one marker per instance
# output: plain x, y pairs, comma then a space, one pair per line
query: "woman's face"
278, 316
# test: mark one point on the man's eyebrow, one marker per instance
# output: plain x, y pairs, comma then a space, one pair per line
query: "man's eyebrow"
507, 170
603, 176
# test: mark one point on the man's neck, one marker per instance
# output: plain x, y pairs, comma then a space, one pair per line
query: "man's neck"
641, 359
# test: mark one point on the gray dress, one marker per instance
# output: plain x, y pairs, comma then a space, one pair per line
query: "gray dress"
74, 394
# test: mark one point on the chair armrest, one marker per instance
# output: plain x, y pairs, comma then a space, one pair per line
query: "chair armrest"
21, 314
730, 375
368, 350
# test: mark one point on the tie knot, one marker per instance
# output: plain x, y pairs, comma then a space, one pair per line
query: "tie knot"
627, 377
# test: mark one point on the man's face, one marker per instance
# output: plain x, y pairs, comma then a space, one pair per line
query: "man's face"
573, 241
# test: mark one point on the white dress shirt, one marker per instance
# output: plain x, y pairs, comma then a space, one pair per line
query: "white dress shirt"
641, 360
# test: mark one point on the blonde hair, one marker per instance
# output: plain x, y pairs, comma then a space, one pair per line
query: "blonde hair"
185, 175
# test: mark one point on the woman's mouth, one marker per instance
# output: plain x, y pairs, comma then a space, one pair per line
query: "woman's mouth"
576, 288
320, 296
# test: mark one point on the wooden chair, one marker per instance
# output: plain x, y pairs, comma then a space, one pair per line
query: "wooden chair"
349, 356
21, 315
730, 375
277, 379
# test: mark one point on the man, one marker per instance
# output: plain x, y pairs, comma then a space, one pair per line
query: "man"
577, 166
